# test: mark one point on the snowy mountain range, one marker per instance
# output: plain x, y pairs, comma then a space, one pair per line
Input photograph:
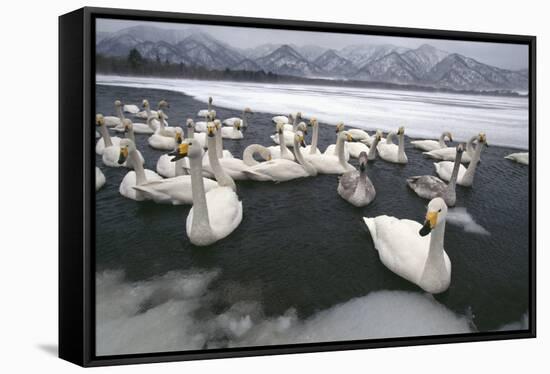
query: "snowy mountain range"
423, 66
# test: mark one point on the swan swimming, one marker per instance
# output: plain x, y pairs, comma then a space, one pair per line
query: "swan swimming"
112, 121
110, 150
414, 251
131, 108
330, 164
168, 169
391, 152
147, 112
207, 112
215, 214
234, 132
289, 134
244, 120
430, 145
313, 148
449, 153
465, 175
355, 186
162, 140
136, 177
331, 149
520, 158
282, 170
429, 187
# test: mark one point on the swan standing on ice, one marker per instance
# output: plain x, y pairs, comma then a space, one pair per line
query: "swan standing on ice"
313, 149
520, 158
281, 150
331, 149
215, 214
233, 132
391, 152
429, 187
329, 164
449, 153
430, 145
168, 169
282, 170
112, 121
207, 112
465, 175
99, 179
413, 251
244, 121
136, 177
355, 186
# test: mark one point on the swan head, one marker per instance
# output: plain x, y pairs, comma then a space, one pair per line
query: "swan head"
210, 100
145, 103
265, 153
482, 138
279, 127
126, 147
248, 110
312, 121
346, 136
217, 124
363, 160
459, 148
401, 131
178, 135
302, 127
189, 148
299, 139
437, 212
99, 120
299, 115
237, 124
118, 103
190, 123
163, 104
378, 135
339, 127
211, 129
127, 124
448, 135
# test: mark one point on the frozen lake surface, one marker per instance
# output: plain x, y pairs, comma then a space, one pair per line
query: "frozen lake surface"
504, 119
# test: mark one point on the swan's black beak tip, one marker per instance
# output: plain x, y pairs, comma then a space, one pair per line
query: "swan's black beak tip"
426, 229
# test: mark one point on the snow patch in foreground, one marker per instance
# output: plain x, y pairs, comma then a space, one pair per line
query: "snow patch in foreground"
461, 217
176, 312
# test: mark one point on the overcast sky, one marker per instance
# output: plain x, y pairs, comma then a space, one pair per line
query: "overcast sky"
508, 56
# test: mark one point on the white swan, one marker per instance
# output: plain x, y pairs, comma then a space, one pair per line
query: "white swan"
429, 187
251, 150
112, 121
220, 152
289, 135
131, 108
207, 112
147, 112
391, 152
163, 140
234, 132
331, 149
313, 148
413, 251
106, 138
281, 150
215, 214
449, 153
163, 127
136, 177
430, 145
279, 119
521, 157
99, 179
329, 164
244, 120
295, 119
282, 170
355, 186
168, 169
138, 128
359, 135
465, 175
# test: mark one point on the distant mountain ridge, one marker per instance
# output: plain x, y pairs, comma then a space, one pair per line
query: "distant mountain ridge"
423, 66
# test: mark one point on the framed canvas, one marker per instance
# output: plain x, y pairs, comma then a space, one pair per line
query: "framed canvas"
235, 186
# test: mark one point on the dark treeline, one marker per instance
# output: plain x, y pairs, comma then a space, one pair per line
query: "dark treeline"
135, 65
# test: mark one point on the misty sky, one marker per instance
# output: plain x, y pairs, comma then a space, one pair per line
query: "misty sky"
508, 56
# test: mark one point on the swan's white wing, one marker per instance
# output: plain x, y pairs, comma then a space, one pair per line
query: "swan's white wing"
175, 190
130, 108
325, 164
282, 119
356, 148
448, 154
427, 186
279, 170
166, 167
307, 149
163, 143
230, 121
426, 145
225, 211
126, 187
358, 134
445, 168
400, 246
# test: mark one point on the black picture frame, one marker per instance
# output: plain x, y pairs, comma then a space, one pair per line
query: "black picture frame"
76, 178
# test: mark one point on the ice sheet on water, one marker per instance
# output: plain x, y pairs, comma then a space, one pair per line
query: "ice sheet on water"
424, 114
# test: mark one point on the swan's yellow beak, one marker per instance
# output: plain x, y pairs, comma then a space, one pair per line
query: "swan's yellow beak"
123, 155
210, 130
349, 138
180, 152
429, 224
178, 138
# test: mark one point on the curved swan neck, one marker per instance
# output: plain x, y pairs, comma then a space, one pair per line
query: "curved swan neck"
138, 167
282, 145
340, 151
314, 139
131, 135
221, 176
389, 138
245, 119
120, 113
191, 132
300, 158
248, 154
106, 136
372, 150
200, 208
442, 143
435, 266
454, 174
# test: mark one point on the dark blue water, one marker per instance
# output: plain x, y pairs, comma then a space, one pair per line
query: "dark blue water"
300, 245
